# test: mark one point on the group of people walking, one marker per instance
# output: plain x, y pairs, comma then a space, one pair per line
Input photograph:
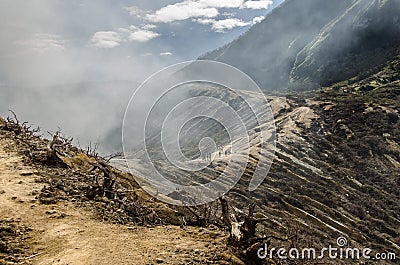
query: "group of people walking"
220, 151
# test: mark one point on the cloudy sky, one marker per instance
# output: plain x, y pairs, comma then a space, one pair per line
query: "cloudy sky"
49, 47
77, 33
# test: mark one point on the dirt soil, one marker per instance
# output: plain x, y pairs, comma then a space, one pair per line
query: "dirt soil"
34, 233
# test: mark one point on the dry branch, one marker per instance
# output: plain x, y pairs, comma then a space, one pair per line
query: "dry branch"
242, 230
55, 147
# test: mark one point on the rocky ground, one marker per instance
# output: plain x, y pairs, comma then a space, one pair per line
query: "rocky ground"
336, 173
336, 170
48, 216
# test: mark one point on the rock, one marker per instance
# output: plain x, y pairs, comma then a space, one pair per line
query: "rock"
7, 229
26, 173
214, 235
232, 258
105, 200
3, 247
35, 192
159, 260
62, 215
50, 200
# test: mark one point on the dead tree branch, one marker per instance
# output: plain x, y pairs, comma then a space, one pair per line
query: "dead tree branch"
243, 232
22, 130
55, 146
107, 187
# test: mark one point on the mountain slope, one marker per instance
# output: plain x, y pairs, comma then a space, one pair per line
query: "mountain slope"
362, 39
304, 43
336, 168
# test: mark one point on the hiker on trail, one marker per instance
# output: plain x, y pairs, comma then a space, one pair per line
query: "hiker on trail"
228, 151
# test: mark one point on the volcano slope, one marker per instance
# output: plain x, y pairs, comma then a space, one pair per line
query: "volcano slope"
336, 170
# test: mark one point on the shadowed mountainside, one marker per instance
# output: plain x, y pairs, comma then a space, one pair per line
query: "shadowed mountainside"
304, 44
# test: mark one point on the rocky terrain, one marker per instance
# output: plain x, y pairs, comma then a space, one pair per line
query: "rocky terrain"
336, 173
336, 170
62, 212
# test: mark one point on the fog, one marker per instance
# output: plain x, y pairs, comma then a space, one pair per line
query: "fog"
51, 76
74, 64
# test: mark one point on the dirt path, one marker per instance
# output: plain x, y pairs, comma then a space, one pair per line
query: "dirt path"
64, 234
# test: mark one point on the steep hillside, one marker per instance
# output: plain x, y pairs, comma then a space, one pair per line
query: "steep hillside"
336, 168
336, 173
304, 44
55, 213
366, 36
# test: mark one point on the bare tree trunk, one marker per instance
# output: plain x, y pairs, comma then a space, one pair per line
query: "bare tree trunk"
240, 231
51, 150
58, 142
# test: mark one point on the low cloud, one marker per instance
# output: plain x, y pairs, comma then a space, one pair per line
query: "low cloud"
43, 43
106, 39
222, 3
204, 12
262, 4
166, 53
139, 34
149, 26
135, 11
142, 35
224, 24
258, 19
112, 39
182, 11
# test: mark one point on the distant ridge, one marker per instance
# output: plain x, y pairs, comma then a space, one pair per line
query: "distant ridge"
304, 44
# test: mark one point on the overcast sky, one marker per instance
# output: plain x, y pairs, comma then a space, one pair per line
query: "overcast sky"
49, 47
